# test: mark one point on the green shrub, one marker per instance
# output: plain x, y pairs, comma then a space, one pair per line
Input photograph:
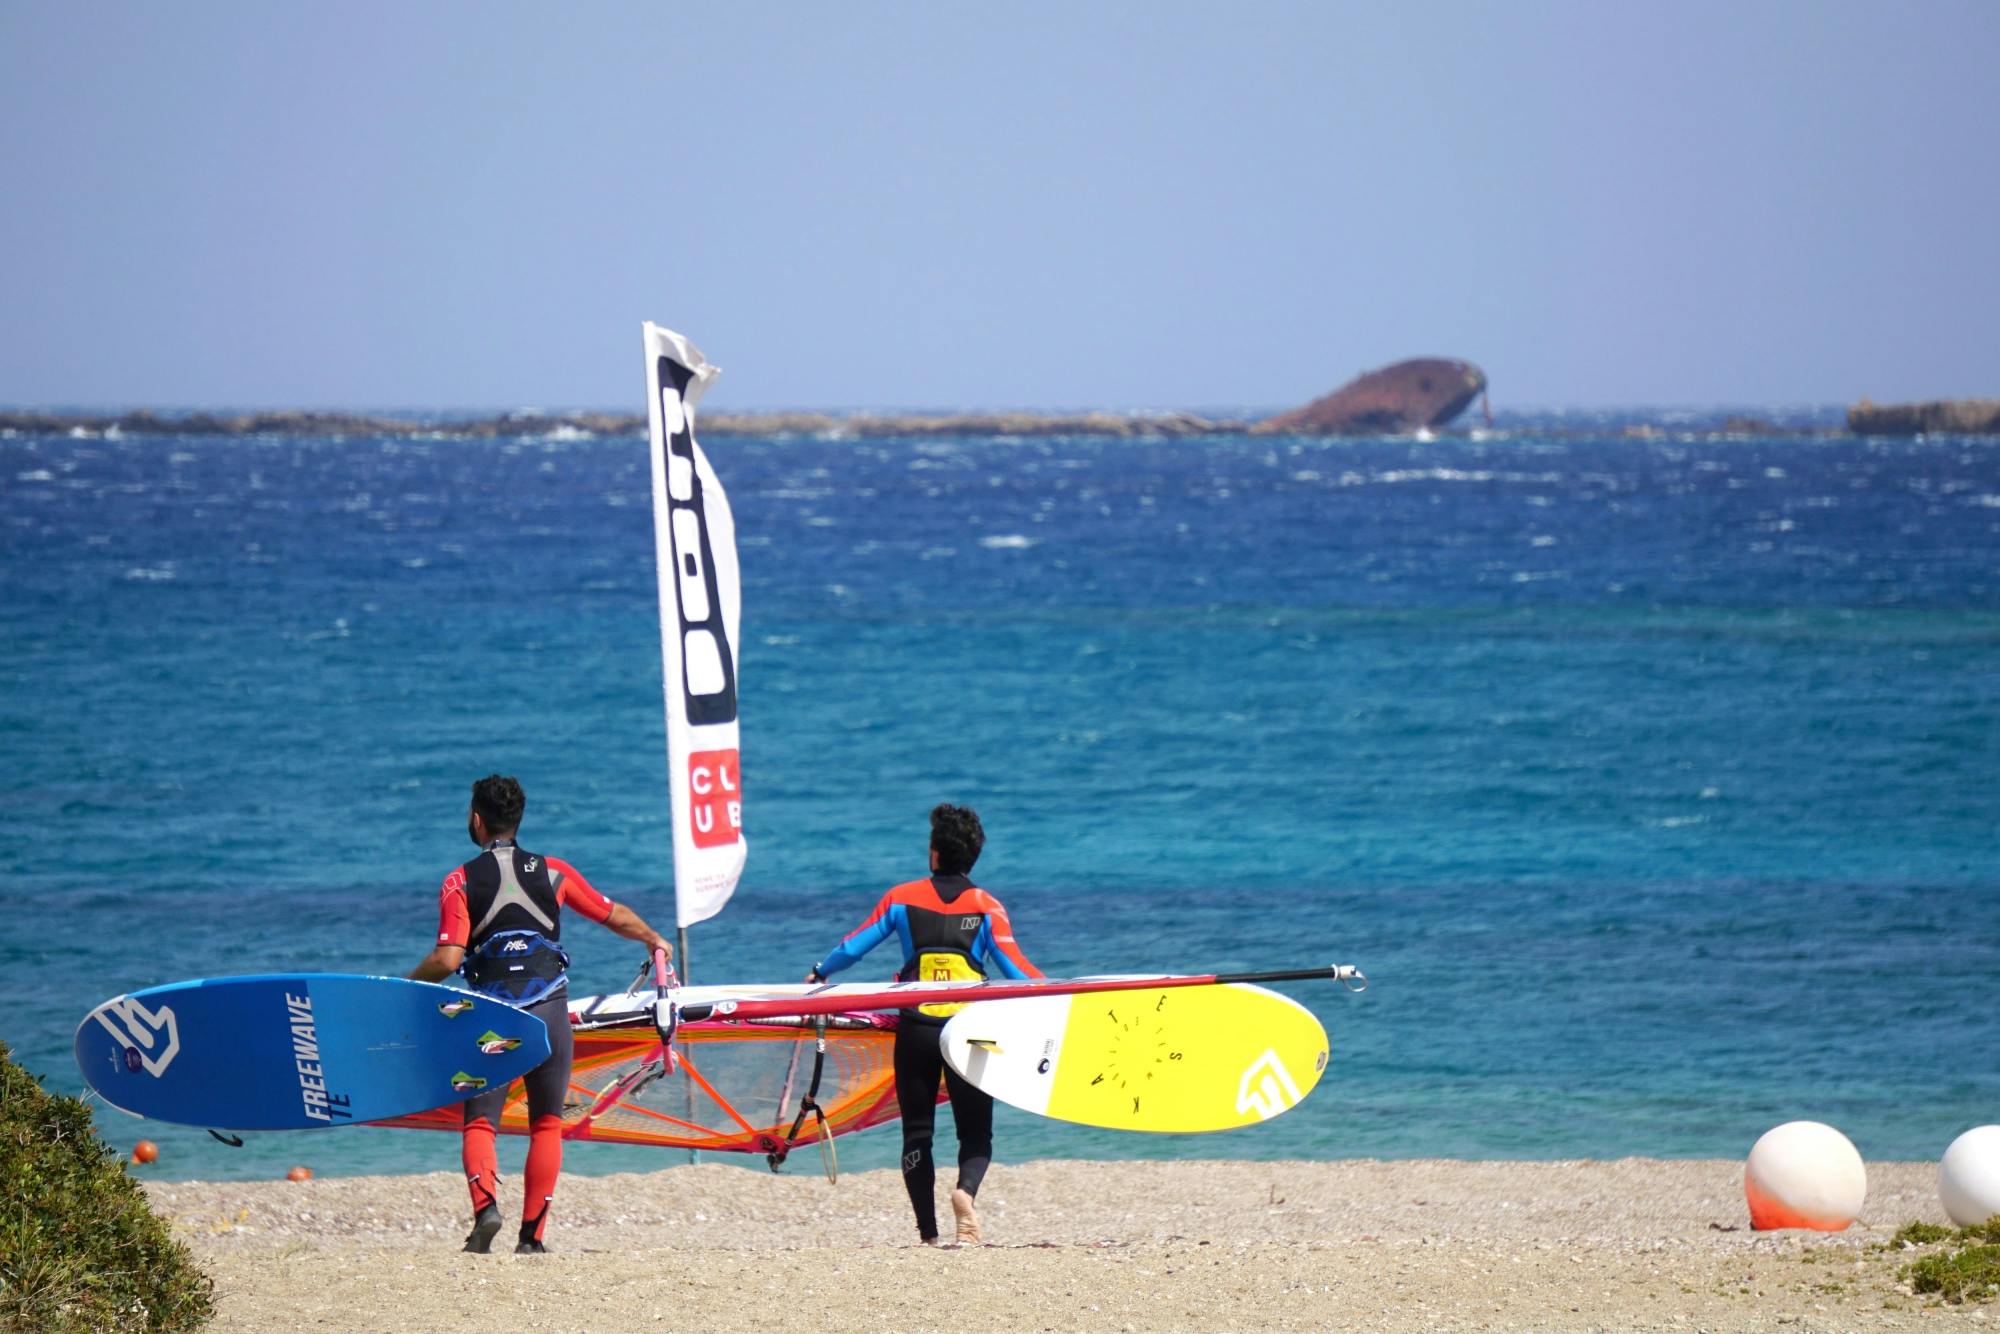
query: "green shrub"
1969, 1270
79, 1247
1987, 1231
1919, 1234
1970, 1273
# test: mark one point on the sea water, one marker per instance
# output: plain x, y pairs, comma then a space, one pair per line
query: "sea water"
1651, 780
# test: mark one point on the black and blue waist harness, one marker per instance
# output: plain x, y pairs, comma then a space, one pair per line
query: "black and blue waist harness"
518, 967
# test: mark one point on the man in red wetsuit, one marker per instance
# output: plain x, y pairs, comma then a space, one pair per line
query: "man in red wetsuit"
948, 928
500, 922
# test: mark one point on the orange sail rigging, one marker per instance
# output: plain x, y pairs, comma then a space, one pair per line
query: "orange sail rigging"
735, 1086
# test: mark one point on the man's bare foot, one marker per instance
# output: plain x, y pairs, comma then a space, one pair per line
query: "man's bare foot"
968, 1218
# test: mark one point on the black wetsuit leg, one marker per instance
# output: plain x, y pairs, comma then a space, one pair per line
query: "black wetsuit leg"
548, 1083
919, 1060
972, 1117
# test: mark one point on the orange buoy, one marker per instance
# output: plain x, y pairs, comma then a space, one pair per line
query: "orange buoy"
1804, 1174
299, 1174
145, 1151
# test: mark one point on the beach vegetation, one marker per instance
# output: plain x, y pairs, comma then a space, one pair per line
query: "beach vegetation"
1918, 1234
1967, 1273
1965, 1268
80, 1248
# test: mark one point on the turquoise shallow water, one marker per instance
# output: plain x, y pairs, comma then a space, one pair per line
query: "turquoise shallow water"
1652, 781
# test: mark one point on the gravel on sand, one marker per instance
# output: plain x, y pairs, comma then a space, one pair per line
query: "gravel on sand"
1636, 1244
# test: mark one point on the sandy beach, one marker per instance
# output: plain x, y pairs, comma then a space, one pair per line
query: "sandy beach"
1417, 1245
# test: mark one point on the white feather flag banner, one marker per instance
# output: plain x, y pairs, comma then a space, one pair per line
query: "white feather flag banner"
694, 542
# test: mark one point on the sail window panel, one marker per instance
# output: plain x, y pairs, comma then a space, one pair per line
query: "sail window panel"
752, 1074
687, 563
703, 654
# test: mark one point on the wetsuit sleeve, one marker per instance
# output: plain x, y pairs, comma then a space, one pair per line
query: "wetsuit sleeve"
880, 925
996, 942
454, 919
574, 892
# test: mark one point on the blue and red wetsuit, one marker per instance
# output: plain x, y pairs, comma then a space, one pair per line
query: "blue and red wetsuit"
946, 915
947, 926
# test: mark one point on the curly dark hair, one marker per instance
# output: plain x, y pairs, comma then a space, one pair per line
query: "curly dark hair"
500, 802
956, 837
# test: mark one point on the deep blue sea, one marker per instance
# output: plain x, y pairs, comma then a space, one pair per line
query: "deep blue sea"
1653, 781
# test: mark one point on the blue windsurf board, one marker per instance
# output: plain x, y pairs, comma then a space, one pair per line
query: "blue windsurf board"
299, 1051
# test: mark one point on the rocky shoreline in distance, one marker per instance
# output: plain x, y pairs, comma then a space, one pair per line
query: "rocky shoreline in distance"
143, 422
1949, 417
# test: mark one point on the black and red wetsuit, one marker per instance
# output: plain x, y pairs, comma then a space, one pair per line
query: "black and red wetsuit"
506, 888
947, 926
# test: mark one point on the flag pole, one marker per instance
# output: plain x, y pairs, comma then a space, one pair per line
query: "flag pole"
694, 545
681, 957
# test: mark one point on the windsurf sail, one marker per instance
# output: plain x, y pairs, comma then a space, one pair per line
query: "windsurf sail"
694, 542
728, 1091
728, 1085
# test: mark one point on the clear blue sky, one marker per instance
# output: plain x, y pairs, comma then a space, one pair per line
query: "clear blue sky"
1029, 205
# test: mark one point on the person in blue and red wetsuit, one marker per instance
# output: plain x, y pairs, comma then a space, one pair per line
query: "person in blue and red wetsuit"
946, 926
500, 923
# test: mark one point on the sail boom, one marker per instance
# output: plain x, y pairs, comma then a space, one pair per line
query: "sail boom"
799, 1002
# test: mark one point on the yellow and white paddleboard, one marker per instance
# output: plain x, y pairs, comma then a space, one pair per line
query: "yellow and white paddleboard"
1162, 1059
